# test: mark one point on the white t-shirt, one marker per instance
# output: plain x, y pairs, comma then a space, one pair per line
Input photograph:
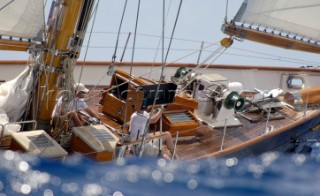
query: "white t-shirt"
138, 123
76, 105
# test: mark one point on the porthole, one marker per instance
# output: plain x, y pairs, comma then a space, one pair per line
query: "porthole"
295, 82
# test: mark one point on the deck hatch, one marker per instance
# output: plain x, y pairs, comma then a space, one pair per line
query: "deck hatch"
102, 135
40, 141
180, 117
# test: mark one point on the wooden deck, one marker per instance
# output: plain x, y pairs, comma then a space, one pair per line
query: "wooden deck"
207, 142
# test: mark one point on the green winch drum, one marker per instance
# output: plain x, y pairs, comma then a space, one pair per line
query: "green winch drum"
234, 101
181, 72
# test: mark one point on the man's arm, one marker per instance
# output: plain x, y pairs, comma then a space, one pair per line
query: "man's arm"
156, 116
92, 113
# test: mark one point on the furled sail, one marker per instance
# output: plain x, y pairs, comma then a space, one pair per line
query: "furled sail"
14, 95
21, 18
295, 17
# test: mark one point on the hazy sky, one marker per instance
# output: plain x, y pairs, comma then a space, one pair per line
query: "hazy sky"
199, 21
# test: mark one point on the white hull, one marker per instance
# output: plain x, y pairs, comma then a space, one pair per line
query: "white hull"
261, 77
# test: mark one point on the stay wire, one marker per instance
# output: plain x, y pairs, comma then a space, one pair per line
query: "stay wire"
161, 37
52, 47
204, 61
166, 57
132, 57
159, 67
135, 36
89, 40
162, 69
226, 15
118, 34
207, 59
279, 58
115, 51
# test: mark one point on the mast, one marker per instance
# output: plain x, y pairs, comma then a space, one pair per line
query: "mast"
66, 34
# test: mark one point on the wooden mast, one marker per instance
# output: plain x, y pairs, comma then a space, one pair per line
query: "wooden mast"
62, 39
269, 38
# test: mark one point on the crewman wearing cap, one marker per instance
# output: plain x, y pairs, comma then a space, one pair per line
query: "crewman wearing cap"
75, 106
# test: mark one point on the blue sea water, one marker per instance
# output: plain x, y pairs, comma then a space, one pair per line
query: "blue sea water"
268, 174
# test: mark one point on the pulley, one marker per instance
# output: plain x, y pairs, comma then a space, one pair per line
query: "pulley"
226, 42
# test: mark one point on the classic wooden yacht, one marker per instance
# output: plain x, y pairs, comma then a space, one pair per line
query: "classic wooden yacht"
212, 110
228, 120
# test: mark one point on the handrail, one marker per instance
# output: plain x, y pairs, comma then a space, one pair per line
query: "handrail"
224, 134
266, 130
175, 146
306, 107
146, 139
2, 130
21, 122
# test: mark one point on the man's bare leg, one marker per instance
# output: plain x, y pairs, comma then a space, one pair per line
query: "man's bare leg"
168, 141
75, 119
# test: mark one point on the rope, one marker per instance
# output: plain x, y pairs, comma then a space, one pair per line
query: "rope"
276, 58
146, 73
219, 54
279, 58
51, 46
164, 19
68, 66
145, 35
117, 41
201, 49
32, 62
89, 40
207, 59
135, 35
204, 61
226, 16
132, 57
164, 60
157, 90
125, 47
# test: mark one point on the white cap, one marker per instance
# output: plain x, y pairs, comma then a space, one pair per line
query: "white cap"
79, 87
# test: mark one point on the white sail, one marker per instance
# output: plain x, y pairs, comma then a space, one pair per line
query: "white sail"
294, 17
21, 18
14, 95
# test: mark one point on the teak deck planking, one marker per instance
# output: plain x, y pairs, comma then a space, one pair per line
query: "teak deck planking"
207, 140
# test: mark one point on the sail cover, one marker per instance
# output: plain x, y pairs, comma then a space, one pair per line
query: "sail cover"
297, 17
21, 18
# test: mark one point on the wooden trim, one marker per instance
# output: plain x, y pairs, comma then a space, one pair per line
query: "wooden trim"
256, 140
13, 62
190, 65
269, 39
14, 45
187, 65
78, 145
149, 137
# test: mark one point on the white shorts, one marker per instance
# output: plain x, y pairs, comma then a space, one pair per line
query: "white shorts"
151, 148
